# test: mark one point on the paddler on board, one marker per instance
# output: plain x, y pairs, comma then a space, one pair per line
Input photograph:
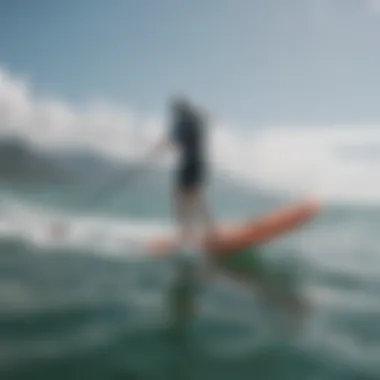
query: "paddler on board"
188, 134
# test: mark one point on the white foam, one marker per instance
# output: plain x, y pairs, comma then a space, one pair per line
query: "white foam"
49, 229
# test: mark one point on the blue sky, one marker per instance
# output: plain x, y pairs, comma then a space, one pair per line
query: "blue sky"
252, 62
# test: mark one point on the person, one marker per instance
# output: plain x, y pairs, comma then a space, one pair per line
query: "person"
188, 134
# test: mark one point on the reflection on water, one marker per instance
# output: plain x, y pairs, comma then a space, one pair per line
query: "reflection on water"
182, 299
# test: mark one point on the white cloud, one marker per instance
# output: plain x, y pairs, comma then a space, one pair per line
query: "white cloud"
50, 122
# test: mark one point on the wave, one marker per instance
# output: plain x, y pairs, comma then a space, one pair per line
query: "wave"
325, 161
48, 229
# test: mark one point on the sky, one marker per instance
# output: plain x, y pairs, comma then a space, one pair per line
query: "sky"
250, 62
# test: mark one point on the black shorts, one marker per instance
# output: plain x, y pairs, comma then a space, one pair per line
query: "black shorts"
191, 176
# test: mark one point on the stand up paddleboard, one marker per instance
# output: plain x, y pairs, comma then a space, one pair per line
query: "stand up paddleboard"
232, 239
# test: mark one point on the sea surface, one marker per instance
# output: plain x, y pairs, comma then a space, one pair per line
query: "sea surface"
80, 298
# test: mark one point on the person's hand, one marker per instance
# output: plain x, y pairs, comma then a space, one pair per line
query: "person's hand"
159, 148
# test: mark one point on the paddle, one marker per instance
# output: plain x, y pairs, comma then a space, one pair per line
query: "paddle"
59, 228
123, 178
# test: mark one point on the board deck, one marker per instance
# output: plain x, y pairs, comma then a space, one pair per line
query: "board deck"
258, 231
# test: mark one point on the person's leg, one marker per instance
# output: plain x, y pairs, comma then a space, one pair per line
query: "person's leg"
182, 291
190, 209
184, 214
203, 213
183, 203
200, 231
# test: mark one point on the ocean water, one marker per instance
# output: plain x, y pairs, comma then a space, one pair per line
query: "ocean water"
91, 304
87, 302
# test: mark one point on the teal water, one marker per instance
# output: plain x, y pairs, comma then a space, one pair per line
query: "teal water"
84, 309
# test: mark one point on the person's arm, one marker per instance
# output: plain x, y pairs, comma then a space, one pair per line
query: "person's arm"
165, 143
161, 146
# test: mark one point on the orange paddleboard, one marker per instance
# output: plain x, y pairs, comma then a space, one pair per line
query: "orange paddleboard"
228, 240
